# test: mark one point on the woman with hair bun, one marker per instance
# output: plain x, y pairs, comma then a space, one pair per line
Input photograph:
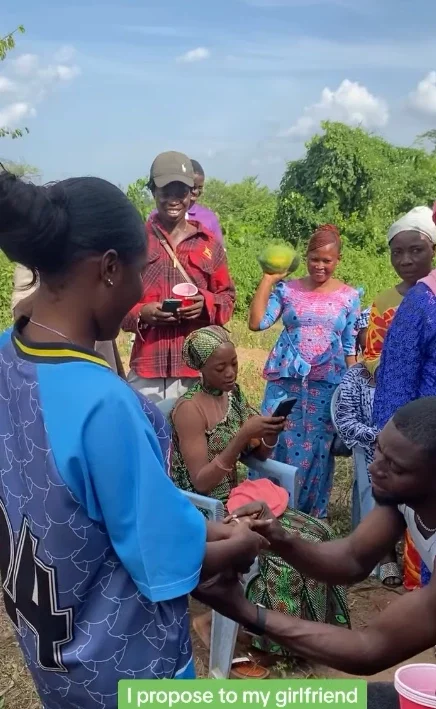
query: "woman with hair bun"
85, 493
307, 362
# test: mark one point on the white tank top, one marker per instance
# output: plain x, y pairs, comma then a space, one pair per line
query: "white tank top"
426, 548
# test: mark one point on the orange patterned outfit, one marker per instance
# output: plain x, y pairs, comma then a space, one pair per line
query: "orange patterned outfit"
382, 313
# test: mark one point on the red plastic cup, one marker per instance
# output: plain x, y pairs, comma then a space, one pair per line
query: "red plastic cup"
416, 686
185, 292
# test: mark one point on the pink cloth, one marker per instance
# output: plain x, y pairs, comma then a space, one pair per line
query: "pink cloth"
263, 490
430, 281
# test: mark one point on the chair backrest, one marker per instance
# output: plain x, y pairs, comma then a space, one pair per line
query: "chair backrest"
279, 473
166, 406
212, 509
333, 405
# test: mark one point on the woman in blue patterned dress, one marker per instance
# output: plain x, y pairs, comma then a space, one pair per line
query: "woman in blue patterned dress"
308, 361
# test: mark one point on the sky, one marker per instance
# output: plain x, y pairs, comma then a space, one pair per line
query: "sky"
239, 85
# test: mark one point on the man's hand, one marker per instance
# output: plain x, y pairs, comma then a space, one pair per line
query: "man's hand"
152, 314
192, 312
249, 544
225, 594
261, 520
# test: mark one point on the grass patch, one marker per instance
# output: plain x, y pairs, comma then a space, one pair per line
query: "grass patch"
243, 337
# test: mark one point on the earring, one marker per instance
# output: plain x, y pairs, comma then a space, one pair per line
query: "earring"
109, 282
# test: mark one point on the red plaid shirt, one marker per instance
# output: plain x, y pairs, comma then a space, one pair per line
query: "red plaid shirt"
157, 352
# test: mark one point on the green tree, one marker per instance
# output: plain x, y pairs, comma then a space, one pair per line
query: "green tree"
7, 43
246, 209
140, 196
20, 169
6, 267
359, 181
428, 137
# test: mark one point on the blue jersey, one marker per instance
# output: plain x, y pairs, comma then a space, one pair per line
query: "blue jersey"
98, 547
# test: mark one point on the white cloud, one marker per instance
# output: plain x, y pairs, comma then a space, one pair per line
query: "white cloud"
423, 99
194, 55
65, 54
59, 72
6, 85
31, 82
351, 103
25, 65
14, 113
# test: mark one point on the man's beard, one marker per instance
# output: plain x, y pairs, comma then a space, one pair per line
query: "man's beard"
386, 500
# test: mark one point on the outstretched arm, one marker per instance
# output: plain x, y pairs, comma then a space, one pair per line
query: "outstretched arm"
404, 629
342, 561
266, 306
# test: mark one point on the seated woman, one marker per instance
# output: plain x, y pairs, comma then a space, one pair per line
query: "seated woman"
213, 424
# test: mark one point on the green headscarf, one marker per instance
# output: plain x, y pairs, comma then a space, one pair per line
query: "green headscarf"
201, 344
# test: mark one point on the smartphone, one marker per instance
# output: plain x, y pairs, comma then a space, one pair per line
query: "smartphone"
285, 408
171, 305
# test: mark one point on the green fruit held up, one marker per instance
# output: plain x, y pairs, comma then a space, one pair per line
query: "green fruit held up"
279, 258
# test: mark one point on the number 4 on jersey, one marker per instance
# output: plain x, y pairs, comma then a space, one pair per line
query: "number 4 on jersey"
30, 594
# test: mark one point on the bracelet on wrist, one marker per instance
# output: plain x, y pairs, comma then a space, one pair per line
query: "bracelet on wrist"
258, 627
268, 446
221, 466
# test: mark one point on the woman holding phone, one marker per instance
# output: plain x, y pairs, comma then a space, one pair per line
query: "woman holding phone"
308, 361
213, 425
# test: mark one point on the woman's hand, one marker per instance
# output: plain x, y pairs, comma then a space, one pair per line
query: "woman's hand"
274, 278
261, 520
262, 427
254, 510
249, 544
152, 314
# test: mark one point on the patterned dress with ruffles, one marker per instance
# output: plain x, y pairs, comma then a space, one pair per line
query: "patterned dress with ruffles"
278, 586
307, 363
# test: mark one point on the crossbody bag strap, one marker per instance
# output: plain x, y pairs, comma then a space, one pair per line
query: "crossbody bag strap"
163, 241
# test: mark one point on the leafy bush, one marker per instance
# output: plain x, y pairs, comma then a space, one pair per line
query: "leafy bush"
6, 273
357, 181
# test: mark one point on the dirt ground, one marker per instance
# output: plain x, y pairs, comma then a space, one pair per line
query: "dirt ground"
365, 600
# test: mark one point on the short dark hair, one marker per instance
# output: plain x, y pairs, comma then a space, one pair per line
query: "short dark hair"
198, 170
49, 228
417, 422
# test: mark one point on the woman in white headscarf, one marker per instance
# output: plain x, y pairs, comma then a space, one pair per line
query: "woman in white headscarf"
412, 242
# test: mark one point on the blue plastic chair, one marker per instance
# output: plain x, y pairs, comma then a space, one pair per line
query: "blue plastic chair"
225, 631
